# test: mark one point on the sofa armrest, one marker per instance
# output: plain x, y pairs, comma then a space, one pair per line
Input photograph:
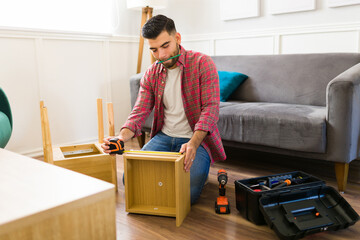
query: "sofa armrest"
343, 115
134, 87
134, 91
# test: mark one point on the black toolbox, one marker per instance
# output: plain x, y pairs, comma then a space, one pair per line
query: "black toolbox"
304, 207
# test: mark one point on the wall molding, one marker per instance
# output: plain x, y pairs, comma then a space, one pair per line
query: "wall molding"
212, 37
277, 34
6, 32
324, 28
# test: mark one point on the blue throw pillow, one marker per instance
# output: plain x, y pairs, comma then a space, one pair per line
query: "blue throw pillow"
229, 82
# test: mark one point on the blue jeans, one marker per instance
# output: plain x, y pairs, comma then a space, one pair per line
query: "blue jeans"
200, 167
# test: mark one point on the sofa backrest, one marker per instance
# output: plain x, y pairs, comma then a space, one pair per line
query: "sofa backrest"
286, 78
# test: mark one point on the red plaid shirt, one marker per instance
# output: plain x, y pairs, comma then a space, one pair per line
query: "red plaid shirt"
200, 95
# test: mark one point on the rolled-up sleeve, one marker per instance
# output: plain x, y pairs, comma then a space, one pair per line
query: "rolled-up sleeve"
210, 96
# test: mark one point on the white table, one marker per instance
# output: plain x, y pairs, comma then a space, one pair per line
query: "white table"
43, 201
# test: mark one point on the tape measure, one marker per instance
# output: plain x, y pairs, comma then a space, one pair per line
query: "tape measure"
153, 152
117, 147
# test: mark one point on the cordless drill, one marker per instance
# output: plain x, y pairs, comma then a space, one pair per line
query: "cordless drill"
222, 204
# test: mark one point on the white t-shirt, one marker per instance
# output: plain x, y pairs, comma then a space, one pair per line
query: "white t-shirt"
175, 121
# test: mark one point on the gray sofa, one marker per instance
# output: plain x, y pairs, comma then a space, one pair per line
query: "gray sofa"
305, 105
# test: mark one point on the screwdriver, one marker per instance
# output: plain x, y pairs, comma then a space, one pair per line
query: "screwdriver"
287, 182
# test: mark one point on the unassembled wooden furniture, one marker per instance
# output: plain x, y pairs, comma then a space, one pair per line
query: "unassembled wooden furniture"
156, 184
88, 159
41, 201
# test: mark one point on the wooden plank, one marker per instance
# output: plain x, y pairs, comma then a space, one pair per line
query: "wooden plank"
100, 120
110, 111
48, 152
182, 186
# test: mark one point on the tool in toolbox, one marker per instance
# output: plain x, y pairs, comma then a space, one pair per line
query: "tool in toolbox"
277, 182
261, 185
287, 182
222, 205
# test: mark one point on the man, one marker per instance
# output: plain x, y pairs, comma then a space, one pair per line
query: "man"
183, 89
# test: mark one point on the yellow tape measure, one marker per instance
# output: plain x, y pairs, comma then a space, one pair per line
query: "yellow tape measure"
153, 152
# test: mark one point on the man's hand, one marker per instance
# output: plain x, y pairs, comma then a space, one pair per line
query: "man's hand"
113, 146
124, 135
106, 145
190, 148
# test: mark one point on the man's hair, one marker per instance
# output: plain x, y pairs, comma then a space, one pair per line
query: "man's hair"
155, 25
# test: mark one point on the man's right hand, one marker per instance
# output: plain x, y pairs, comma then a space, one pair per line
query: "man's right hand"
113, 145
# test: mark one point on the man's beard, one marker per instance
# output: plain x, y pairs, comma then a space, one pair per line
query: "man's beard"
173, 61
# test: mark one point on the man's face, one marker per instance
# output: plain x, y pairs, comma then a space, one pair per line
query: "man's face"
164, 47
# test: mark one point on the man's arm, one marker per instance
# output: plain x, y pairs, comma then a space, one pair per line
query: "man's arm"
210, 100
142, 108
143, 105
210, 96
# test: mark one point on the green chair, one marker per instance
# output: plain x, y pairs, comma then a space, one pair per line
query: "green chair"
5, 119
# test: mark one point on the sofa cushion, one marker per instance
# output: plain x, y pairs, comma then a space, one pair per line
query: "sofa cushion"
229, 82
287, 126
286, 78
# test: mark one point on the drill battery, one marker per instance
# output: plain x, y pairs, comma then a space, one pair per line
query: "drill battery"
222, 204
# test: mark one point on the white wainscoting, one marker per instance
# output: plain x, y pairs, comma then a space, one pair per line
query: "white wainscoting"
70, 70
307, 39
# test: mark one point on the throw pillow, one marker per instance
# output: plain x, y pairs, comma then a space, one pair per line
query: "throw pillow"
229, 82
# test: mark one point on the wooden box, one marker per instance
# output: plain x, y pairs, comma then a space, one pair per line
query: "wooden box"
88, 159
157, 184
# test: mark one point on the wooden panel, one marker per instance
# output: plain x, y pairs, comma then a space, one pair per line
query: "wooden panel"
183, 199
93, 162
156, 184
84, 222
42, 201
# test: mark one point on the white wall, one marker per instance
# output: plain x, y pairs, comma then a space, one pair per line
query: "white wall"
203, 17
322, 30
69, 70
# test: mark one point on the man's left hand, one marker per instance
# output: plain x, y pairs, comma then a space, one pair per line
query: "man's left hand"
190, 151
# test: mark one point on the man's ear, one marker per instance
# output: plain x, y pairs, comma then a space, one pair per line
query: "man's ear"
178, 38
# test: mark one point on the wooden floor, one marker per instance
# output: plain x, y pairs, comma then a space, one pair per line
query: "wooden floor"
203, 223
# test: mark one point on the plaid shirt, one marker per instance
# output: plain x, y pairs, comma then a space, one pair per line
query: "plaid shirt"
200, 95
